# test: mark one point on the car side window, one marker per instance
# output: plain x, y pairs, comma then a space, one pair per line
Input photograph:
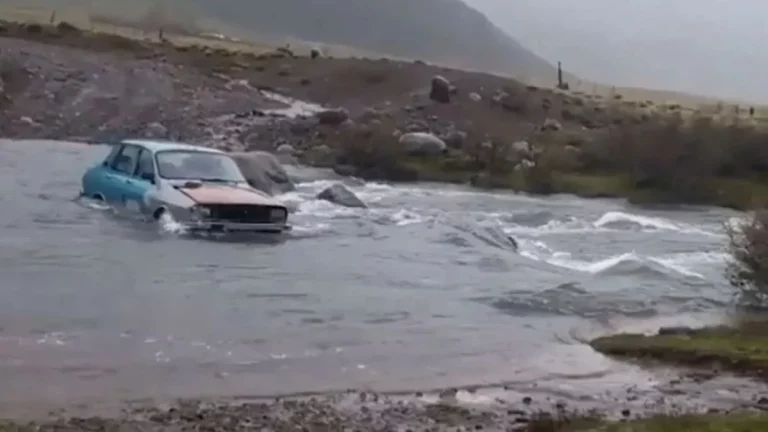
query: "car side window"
146, 164
126, 159
111, 156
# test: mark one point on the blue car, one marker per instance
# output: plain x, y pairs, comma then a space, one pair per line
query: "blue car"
199, 187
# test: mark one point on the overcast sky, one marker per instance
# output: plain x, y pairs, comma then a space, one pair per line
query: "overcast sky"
714, 47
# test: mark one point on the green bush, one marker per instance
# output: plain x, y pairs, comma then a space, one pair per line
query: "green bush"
748, 272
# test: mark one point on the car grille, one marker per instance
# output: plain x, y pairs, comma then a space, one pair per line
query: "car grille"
242, 213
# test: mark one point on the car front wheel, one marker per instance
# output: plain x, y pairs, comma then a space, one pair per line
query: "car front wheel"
158, 213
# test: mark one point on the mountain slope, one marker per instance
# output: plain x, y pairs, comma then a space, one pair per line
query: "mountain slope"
446, 31
442, 31
648, 43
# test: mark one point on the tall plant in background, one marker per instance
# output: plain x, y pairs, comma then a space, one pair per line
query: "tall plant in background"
748, 271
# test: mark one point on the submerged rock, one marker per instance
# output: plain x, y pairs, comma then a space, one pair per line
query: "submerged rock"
339, 194
263, 171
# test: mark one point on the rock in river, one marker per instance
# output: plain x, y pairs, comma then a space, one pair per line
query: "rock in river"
263, 172
339, 194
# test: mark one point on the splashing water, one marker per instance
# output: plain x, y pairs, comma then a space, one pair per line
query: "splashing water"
169, 225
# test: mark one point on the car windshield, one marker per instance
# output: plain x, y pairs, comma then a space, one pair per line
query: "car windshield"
197, 165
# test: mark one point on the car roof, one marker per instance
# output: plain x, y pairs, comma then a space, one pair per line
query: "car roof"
160, 145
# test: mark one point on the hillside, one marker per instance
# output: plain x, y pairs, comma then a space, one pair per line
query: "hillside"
678, 51
442, 31
446, 31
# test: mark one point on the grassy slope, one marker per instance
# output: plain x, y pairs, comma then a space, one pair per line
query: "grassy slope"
689, 423
735, 422
742, 349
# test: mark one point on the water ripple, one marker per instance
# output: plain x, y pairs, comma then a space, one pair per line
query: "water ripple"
456, 279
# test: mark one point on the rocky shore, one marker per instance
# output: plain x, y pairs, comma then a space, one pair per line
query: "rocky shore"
372, 412
375, 119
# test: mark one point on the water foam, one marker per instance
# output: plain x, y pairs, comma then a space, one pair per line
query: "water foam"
305, 205
614, 218
295, 107
169, 225
611, 221
685, 264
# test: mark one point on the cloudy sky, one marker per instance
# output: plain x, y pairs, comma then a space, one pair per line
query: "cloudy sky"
714, 47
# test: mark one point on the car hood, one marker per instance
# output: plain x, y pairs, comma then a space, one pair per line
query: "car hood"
223, 194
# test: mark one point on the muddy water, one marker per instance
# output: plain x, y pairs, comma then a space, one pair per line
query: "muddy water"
420, 291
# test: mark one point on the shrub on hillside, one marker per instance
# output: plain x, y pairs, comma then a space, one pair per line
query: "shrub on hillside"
680, 157
374, 152
748, 272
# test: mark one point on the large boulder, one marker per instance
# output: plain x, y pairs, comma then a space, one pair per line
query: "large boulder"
422, 143
455, 139
551, 125
332, 117
285, 149
155, 130
263, 172
441, 89
520, 150
339, 194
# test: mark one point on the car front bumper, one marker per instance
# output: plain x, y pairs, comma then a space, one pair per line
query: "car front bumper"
222, 226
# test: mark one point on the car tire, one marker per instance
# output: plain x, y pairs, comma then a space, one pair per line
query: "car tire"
158, 213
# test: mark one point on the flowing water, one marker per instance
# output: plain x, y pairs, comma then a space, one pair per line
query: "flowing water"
422, 290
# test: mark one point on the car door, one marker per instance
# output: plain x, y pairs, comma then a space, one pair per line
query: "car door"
95, 182
144, 182
123, 187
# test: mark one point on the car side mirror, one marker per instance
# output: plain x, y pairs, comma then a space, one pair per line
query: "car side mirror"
148, 177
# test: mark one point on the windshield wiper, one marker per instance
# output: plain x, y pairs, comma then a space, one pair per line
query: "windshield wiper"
216, 180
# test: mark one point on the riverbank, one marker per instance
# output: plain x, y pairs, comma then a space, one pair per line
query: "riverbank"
60, 82
369, 412
740, 348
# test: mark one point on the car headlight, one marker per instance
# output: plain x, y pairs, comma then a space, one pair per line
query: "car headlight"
278, 215
200, 212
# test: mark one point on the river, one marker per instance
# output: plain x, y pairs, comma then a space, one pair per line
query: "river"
420, 291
